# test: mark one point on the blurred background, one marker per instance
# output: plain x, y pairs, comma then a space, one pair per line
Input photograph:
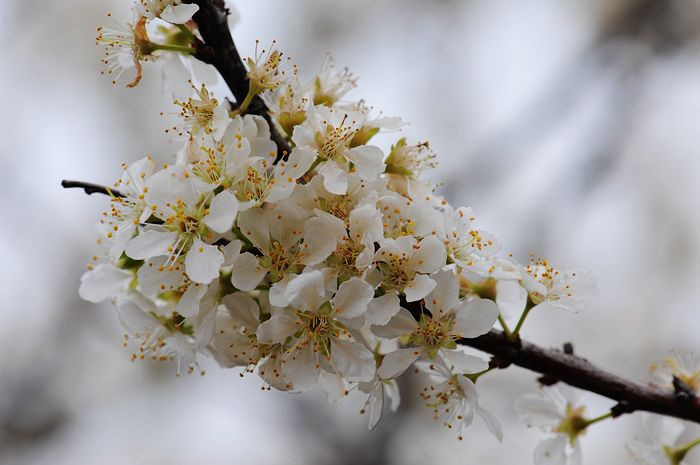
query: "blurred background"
570, 127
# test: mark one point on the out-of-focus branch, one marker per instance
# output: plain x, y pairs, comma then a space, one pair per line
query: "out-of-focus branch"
90, 188
219, 51
558, 365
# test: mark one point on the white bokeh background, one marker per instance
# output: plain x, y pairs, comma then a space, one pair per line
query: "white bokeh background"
570, 127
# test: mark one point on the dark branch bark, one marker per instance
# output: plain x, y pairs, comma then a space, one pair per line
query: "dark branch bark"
576, 371
90, 188
219, 50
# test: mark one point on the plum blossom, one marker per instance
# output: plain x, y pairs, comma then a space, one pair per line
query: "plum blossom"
319, 326
436, 332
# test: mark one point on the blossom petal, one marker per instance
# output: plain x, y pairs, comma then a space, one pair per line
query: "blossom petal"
491, 422
395, 363
535, 410
222, 212
463, 363
277, 329
419, 287
188, 306
149, 244
307, 291
551, 451
203, 262
179, 14
402, 323
430, 256
247, 272
353, 360
352, 298
335, 179
300, 369
475, 317
318, 243
382, 309
103, 282
243, 309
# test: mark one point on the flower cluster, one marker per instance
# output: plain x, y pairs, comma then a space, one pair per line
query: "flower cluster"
332, 266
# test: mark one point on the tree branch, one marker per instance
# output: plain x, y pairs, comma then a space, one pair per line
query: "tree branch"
90, 188
553, 365
576, 371
219, 50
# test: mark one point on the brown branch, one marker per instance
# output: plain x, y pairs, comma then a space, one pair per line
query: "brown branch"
219, 50
90, 188
556, 365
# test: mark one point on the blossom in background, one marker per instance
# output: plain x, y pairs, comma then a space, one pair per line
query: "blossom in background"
667, 441
558, 412
682, 365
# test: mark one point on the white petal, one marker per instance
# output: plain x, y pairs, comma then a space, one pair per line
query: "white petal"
219, 122
103, 282
366, 224
300, 369
203, 262
352, 298
551, 451
243, 309
368, 160
277, 329
332, 385
382, 309
335, 179
278, 291
222, 212
430, 256
352, 360
402, 323
375, 402
307, 291
133, 310
445, 296
475, 318
534, 410
391, 389
510, 297
491, 422
463, 363
188, 306
419, 287
231, 251
247, 272
179, 14
395, 363
155, 278
149, 244
318, 243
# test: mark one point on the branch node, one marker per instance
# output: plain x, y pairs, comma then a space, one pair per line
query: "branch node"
621, 408
568, 348
547, 380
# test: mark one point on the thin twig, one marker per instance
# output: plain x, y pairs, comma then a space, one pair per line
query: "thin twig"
90, 188
219, 51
